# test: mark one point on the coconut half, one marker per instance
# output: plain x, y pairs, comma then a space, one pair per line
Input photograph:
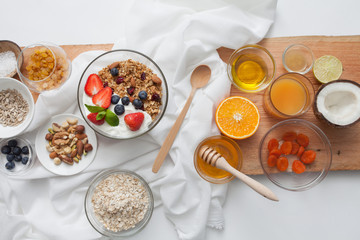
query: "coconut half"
338, 103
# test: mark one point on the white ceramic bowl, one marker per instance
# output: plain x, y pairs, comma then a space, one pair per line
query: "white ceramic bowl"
11, 83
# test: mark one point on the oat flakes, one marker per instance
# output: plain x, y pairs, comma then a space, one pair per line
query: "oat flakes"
120, 201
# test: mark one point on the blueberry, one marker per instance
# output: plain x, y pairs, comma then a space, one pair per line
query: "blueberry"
115, 99
12, 143
18, 158
137, 103
142, 95
25, 150
10, 157
5, 149
143, 76
114, 71
125, 101
24, 160
10, 165
119, 109
17, 150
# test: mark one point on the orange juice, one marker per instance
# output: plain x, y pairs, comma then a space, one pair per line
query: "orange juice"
288, 96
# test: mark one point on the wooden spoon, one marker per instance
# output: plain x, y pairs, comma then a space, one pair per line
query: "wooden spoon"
215, 159
199, 78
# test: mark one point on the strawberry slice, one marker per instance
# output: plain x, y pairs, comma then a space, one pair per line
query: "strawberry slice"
92, 118
93, 85
103, 98
134, 120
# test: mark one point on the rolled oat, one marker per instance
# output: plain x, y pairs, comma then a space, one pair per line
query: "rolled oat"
120, 201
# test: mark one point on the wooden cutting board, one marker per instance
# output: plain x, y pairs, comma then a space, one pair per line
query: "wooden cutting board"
345, 142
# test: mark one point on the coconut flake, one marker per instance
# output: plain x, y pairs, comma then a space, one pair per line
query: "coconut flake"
339, 103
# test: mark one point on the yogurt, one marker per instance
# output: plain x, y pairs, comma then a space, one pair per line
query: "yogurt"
122, 130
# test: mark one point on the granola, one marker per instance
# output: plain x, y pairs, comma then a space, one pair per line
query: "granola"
132, 78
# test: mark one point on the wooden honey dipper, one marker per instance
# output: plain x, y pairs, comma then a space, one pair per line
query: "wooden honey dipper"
215, 159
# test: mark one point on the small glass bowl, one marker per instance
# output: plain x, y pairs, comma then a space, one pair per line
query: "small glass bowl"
20, 169
315, 172
303, 81
254, 60
298, 58
106, 59
229, 149
56, 61
97, 225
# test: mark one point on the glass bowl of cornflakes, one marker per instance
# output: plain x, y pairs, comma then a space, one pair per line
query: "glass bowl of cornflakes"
43, 66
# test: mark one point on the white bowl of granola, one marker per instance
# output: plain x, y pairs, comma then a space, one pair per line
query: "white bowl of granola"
122, 94
16, 107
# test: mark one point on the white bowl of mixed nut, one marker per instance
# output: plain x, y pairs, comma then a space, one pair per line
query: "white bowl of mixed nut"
66, 145
16, 107
118, 203
122, 94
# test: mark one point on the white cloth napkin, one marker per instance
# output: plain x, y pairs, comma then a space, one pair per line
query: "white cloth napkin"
178, 36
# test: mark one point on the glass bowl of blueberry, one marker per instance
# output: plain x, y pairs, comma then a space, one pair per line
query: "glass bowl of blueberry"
17, 156
122, 94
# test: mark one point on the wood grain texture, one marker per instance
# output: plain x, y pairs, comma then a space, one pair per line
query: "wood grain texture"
345, 142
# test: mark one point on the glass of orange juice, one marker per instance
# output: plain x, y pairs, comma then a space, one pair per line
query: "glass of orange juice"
290, 95
251, 68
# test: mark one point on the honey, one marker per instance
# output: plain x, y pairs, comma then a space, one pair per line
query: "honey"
288, 96
228, 149
248, 71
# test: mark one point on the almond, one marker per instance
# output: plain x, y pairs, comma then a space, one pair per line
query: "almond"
113, 65
156, 79
79, 129
73, 153
132, 82
80, 147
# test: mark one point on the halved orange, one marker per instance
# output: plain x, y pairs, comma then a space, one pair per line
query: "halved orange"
237, 117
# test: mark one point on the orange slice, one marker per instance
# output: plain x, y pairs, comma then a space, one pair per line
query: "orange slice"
237, 117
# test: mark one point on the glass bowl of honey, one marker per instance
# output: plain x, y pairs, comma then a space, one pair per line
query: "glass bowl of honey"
289, 96
43, 66
229, 149
251, 68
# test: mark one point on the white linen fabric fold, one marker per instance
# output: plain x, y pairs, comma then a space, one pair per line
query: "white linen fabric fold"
178, 36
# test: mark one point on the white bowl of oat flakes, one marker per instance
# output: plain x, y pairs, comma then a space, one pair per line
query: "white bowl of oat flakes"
118, 203
16, 107
122, 94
